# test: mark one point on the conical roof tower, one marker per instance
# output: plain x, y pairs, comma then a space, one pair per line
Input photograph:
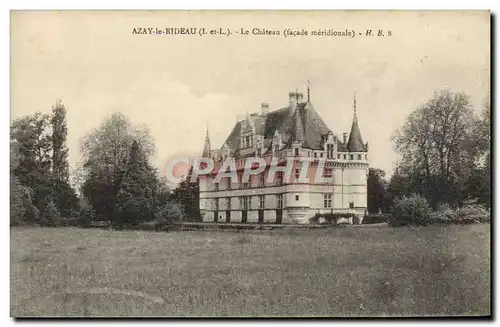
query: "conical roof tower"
355, 143
206, 148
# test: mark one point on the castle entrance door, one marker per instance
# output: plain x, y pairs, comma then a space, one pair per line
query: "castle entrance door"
279, 216
261, 216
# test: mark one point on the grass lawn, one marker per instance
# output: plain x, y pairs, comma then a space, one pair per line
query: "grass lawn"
327, 272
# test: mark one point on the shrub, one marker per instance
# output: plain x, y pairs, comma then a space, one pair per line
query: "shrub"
333, 217
471, 214
51, 215
376, 219
413, 209
172, 211
86, 216
148, 225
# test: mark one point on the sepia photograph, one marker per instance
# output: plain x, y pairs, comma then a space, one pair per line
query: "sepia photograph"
250, 164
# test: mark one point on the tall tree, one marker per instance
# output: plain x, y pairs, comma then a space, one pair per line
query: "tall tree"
135, 200
65, 197
60, 166
105, 153
377, 189
32, 138
41, 151
434, 146
480, 183
33, 141
187, 194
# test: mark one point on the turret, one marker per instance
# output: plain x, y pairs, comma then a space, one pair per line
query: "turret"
207, 151
355, 143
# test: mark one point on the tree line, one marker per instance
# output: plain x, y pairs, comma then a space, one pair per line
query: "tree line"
115, 180
445, 151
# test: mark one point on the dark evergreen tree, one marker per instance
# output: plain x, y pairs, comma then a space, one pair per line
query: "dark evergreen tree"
187, 194
135, 201
377, 189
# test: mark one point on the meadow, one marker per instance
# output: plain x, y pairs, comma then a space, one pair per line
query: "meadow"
333, 272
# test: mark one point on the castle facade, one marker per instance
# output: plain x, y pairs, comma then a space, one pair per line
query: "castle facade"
293, 146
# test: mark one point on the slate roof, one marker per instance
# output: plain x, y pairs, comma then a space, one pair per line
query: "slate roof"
355, 143
305, 123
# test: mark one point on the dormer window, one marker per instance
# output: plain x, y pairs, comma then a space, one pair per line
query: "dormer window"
296, 152
329, 151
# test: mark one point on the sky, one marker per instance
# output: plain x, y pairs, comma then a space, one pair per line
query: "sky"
177, 84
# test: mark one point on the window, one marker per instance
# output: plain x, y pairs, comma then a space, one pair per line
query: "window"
345, 157
216, 204
321, 154
327, 172
297, 173
245, 185
359, 157
296, 152
296, 197
329, 149
263, 179
228, 203
351, 205
351, 157
279, 177
315, 155
338, 156
261, 201
246, 203
279, 201
327, 200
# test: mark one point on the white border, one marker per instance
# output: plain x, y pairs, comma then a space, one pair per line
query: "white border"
7, 5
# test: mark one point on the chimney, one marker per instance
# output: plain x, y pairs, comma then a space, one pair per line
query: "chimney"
293, 98
345, 138
301, 97
264, 108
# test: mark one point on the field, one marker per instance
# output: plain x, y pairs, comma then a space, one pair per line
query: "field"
335, 272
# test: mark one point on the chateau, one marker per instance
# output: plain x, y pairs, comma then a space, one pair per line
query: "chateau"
296, 146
